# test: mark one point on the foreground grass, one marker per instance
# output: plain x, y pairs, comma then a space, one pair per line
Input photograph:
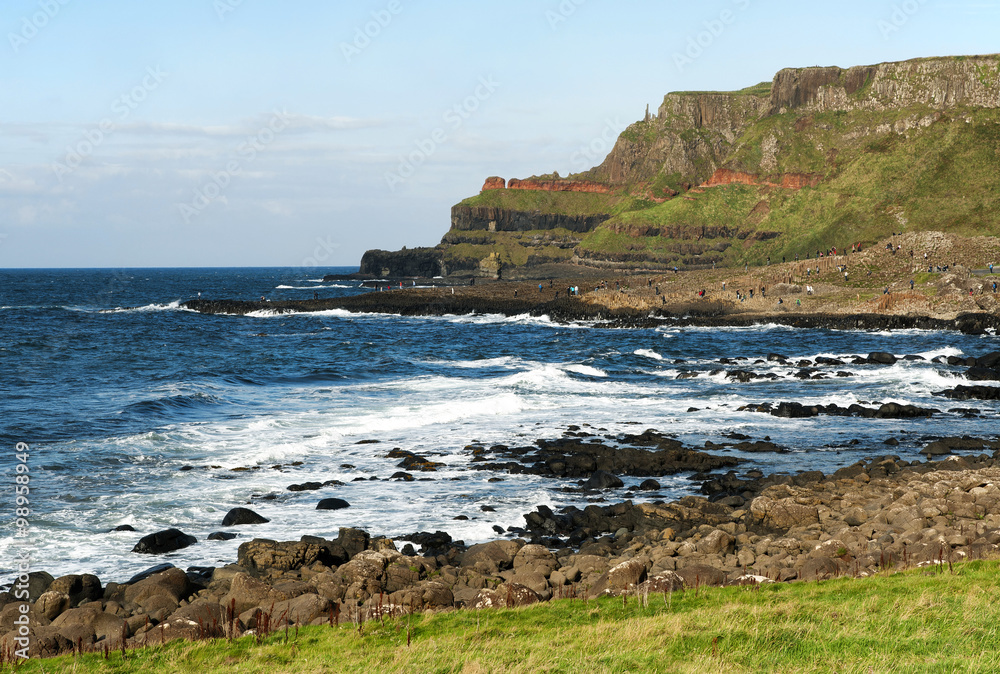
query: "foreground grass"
910, 622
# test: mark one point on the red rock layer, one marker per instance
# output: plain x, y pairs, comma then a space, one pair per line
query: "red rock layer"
495, 183
790, 181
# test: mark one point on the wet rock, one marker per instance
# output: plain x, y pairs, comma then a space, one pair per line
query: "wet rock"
897, 411
882, 358
163, 542
603, 480
411, 461
971, 393
239, 516
332, 504
221, 536
649, 485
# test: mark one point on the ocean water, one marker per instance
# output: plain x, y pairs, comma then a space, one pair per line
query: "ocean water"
115, 387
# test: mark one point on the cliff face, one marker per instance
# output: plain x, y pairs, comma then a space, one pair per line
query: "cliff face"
422, 262
937, 83
694, 134
690, 138
492, 219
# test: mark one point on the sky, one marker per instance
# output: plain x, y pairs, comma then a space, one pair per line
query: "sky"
219, 133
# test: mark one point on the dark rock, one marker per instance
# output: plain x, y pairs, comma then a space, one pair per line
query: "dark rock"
305, 486
603, 480
238, 516
164, 541
221, 536
124, 527
332, 504
971, 393
649, 485
151, 571
79, 588
882, 358
897, 411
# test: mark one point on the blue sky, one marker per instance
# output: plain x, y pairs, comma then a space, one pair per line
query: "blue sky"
301, 133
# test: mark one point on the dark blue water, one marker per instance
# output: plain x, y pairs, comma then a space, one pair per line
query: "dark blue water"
115, 388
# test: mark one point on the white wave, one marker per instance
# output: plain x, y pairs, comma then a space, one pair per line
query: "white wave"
485, 363
586, 370
648, 353
173, 306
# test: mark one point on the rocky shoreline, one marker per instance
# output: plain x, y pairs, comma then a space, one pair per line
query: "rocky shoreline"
879, 514
439, 302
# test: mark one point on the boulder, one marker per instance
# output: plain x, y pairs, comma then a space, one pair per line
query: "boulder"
491, 557
717, 542
164, 590
94, 621
601, 479
238, 516
508, 595
882, 358
163, 541
621, 578
300, 610
666, 581
221, 536
820, 568
248, 592
536, 558
782, 513
51, 604
79, 588
261, 553
700, 574
332, 504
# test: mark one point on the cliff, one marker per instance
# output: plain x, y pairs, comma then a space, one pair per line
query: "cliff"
815, 158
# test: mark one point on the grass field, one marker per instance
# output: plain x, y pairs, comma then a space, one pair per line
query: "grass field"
925, 620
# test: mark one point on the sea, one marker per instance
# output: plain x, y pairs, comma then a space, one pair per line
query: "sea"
134, 410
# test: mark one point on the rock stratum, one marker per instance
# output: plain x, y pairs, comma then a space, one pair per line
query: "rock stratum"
817, 158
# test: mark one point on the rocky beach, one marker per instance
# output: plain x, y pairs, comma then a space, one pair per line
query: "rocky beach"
878, 515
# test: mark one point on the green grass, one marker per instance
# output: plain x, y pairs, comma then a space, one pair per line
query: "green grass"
918, 621
559, 203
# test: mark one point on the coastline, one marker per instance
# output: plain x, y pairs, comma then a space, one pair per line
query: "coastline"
875, 516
